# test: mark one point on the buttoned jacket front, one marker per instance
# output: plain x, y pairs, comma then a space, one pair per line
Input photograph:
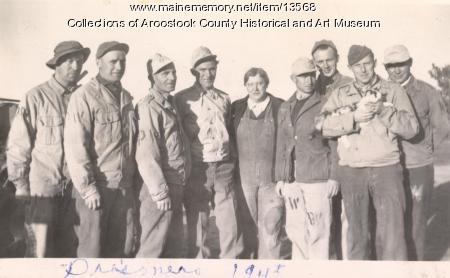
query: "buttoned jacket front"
162, 154
314, 162
35, 154
100, 135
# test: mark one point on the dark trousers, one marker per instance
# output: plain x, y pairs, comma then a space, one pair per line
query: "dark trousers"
109, 231
418, 188
49, 226
161, 231
212, 183
384, 186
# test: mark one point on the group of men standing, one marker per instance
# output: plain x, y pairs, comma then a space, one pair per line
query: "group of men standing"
103, 178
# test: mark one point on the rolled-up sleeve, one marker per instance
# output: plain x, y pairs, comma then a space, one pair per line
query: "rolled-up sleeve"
21, 142
148, 155
400, 118
78, 145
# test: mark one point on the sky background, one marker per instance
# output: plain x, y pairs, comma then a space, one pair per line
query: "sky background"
29, 31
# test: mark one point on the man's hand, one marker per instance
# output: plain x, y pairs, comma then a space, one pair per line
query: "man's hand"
362, 113
375, 107
333, 188
93, 201
164, 204
279, 188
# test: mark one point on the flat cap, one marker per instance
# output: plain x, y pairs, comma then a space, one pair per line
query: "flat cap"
320, 43
110, 46
202, 54
358, 52
157, 63
303, 65
67, 47
396, 54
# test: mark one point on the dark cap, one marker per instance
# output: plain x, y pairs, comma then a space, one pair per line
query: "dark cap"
320, 43
357, 52
67, 47
110, 46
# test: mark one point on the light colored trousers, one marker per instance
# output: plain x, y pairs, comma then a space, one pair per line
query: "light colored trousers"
308, 220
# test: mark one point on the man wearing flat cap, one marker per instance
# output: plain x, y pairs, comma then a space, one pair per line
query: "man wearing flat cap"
36, 159
100, 131
326, 58
309, 182
163, 161
206, 118
369, 115
430, 110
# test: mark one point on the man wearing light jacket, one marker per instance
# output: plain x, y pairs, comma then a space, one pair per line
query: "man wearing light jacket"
162, 160
99, 143
36, 159
430, 109
369, 115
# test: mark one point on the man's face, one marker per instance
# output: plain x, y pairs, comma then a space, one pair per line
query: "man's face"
326, 60
305, 82
111, 66
256, 88
69, 68
165, 80
207, 74
364, 69
399, 72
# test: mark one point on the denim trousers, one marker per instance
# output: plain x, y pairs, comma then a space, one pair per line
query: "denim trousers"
161, 231
212, 185
107, 232
419, 184
383, 186
261, 213
308, 220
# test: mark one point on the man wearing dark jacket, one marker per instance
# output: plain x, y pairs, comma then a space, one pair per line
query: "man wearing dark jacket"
254, 128
309, 182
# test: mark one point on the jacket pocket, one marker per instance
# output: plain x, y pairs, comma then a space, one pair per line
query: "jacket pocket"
107, 126
52, 130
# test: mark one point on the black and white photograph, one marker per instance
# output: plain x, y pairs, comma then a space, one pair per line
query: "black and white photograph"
195, 138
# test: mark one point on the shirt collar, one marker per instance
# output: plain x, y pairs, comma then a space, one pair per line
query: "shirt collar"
373, 84
407, 81
57, 87
163, 100
203, 91
301, 95
252, 105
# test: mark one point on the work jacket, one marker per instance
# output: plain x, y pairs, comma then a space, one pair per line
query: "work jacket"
162, 153
303, 154
99, 138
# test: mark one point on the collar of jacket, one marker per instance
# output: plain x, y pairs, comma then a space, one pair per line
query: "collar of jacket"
125, 97
58, 88
373, 85
161, 99
311, 101
410, 83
